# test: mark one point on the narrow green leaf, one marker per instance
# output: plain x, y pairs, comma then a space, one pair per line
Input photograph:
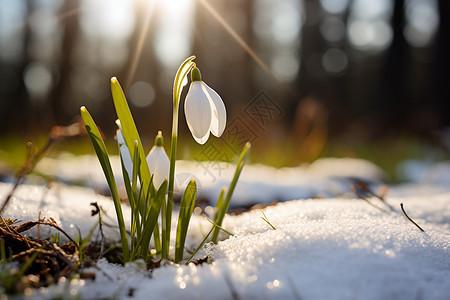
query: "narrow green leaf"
200, 246
149, 224
267, 220
157, 238
102, 154
219, 203
135, 220
136, 167
129, 129
186, 209
86, 240
220, 227
10, 280
56, 238
206, 237
226, 203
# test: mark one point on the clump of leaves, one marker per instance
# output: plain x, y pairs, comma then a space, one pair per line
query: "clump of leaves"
149, 195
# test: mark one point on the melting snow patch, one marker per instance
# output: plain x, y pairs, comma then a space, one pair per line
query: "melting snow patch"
334, 248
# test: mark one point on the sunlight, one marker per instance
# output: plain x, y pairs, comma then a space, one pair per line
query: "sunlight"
334, 6
12, 13
107, 31
369, 28
173, 38
117, 22
279, 25
369, 35
422, 22
236, 36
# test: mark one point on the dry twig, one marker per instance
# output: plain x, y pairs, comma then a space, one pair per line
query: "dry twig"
411, 220
33, 157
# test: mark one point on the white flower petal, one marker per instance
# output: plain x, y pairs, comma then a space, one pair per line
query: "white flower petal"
201, 140
159, 164
125, 153
120, 139
197, 109
219, 113
119, 124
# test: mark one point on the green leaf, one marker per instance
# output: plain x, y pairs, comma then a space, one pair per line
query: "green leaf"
150, 223
129, 129
27, 264
136, 167
200, 246
85, 242
223, 207
135, 220
157, 238
219, 203
267, 220
220, 227
102, 154
186, 209
206, 237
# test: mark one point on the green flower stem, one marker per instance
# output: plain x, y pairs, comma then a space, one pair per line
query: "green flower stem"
166, 216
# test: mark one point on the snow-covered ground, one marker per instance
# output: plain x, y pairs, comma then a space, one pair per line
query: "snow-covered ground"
334, 246
258, 184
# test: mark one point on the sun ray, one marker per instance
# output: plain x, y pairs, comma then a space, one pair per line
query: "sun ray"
69, 13
140, 45
238, 39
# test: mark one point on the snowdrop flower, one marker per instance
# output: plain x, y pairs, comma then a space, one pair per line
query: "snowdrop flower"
204, 109
158, 162
124, 152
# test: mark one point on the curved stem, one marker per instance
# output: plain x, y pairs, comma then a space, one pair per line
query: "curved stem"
182, 72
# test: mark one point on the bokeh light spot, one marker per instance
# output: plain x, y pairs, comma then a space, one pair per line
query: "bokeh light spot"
334, 6
285, 66
333, 29
422, 22
38, 80
141, 94
369, 35
334, 61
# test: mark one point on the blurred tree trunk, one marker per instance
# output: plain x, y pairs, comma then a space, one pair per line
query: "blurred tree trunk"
442, 61
15, 108
313, 81
311, 70
393, 99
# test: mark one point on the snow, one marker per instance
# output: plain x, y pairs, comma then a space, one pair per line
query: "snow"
335, 247
425, 171
258, 183
68, 206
